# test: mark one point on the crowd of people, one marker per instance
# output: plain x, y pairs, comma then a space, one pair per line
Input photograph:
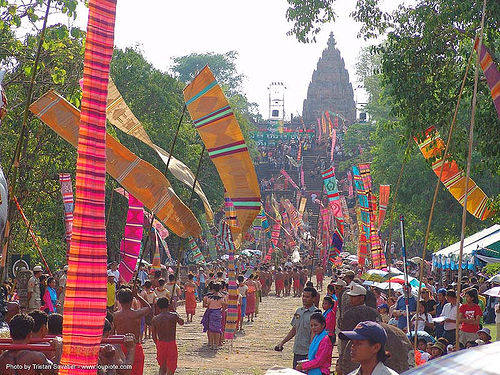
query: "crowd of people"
148, 310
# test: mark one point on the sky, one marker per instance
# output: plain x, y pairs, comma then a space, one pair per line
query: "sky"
255, 29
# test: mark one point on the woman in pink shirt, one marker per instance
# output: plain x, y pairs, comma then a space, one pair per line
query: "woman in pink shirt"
319, 357
330, 316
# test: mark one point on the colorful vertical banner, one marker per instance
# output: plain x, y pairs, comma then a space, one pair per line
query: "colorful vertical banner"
383, 199
220, 132
289, 179
453, 178
230, 211
332, 192
68, 202
196, 255
302, 206
490, 72
334, 139
85, 300
130, 246
232, 303
156, 261
319, 129
350, 187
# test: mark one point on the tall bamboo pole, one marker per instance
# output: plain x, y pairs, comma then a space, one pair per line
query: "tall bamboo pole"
467, 175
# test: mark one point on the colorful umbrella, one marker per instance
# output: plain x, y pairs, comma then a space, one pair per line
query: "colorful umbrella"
401, 280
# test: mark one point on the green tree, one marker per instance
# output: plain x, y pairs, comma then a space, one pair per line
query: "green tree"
222, 65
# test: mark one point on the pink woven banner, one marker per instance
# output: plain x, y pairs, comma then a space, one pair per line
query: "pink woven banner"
86, 293
68, 201
132, 237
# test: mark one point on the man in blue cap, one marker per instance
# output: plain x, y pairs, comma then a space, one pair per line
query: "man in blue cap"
368, 343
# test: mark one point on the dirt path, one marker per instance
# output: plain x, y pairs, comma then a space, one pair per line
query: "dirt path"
253, 353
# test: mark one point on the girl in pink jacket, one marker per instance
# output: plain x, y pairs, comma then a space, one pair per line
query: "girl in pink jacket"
319, 357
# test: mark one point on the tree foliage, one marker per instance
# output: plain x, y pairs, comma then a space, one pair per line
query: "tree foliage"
154, 96
385, 142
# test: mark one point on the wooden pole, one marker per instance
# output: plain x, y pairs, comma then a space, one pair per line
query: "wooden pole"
438, 182
467, 176
180, 253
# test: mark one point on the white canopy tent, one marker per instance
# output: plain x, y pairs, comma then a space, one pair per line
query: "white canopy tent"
479, 240
448, 257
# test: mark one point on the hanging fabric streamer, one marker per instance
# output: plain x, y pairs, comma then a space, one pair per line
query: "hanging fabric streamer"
363, 215
85, 299
130, 246
232, 303
334, 139
323, 126
197, 256
68, 202
384, 193
332, 192
453, 178
302, 206
120, 115
337, 243
491, 73
319, 129
289, 179
299, 151
156, 262
139, 177
230, 211
215, 121
330, 126
349, 181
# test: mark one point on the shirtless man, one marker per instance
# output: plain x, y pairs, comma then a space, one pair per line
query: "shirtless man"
128, 320
112, 360
320, 273
27, 362
164, 334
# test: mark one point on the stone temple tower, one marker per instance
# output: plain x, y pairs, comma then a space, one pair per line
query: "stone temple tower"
329, 88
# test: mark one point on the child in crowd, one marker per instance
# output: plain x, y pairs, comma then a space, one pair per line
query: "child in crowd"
164, 327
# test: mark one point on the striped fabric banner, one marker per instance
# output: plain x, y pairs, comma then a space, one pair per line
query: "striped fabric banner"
319, 129
130, 246
432, 147
299, 151
384, 192
491, 73
120, 115
332, 192
85, 300
156, 261
232, 303
68, 201
332, 149
230, 211
197, 256
221, 134
139, 177
289, 179
363, 215
349, 180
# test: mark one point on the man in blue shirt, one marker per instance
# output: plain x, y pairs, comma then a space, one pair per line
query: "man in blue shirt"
400, 311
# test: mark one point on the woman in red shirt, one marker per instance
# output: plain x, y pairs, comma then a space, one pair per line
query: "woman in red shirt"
470, 314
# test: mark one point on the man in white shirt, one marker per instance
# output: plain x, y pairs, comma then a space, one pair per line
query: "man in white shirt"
450, 313
114, 270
